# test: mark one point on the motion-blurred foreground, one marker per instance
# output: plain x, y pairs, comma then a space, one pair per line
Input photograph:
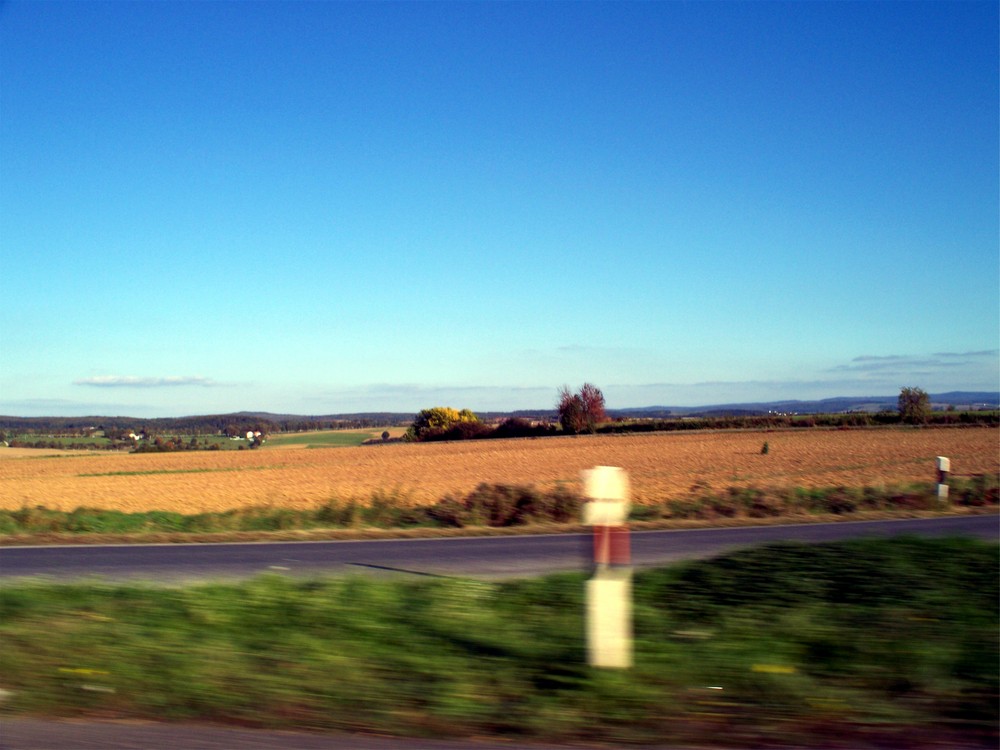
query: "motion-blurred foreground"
856, 641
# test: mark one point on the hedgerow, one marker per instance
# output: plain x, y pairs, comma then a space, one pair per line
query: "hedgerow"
500, 505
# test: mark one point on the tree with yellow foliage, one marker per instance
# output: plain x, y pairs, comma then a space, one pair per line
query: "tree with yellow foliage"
438, 419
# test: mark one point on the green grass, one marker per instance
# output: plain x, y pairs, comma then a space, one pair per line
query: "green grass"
204, 442
795, 643
324, 439
69, 442
98, 442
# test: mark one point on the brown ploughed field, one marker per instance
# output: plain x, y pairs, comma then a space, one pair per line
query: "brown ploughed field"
661, 466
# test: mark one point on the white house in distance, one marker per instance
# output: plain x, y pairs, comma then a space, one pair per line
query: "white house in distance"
251, 435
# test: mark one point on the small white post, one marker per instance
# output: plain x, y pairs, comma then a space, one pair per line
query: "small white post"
943, 469
609, 592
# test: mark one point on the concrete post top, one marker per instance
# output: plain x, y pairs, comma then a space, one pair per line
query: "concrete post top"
607, 490
605, 483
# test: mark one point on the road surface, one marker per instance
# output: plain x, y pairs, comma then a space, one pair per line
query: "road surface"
480, 557
38, 734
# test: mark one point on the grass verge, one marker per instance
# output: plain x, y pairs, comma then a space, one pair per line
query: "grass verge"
862, 640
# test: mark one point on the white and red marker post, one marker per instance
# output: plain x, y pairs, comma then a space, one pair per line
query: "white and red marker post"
943, 470
609, 591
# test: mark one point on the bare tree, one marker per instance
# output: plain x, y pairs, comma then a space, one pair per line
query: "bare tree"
582, 411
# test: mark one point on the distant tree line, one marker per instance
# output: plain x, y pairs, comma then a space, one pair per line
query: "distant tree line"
855, 419
37, 442
213, 424
584, 411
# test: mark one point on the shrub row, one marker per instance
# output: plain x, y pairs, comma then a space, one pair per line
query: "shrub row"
495, 505
519, 427
500, 505
59, 445
515, 427
762, 422
754, 502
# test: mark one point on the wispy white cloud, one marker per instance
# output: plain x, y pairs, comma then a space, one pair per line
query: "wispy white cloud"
133, 381
918, 364
990, 353
886, 358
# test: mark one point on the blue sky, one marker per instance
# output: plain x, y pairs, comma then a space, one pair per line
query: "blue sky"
333, 207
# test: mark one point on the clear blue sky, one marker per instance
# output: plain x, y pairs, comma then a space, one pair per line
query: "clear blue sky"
333, 207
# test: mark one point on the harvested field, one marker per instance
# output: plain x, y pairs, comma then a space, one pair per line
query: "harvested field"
661, 466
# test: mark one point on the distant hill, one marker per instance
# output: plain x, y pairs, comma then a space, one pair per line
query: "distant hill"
204, 424
960, 400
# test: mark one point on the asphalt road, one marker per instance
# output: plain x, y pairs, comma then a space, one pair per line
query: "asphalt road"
481, 557
36, 734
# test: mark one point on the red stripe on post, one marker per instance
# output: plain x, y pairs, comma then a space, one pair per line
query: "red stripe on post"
621, 553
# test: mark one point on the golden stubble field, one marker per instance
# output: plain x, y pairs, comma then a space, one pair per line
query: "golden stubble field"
664, 465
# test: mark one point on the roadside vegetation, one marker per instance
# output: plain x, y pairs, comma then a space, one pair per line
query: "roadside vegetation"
492, 506
845, 643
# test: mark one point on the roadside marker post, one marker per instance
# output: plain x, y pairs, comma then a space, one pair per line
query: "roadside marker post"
609, 591
943, 469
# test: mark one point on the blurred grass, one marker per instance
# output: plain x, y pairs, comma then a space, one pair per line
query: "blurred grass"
503, 506
799, 643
